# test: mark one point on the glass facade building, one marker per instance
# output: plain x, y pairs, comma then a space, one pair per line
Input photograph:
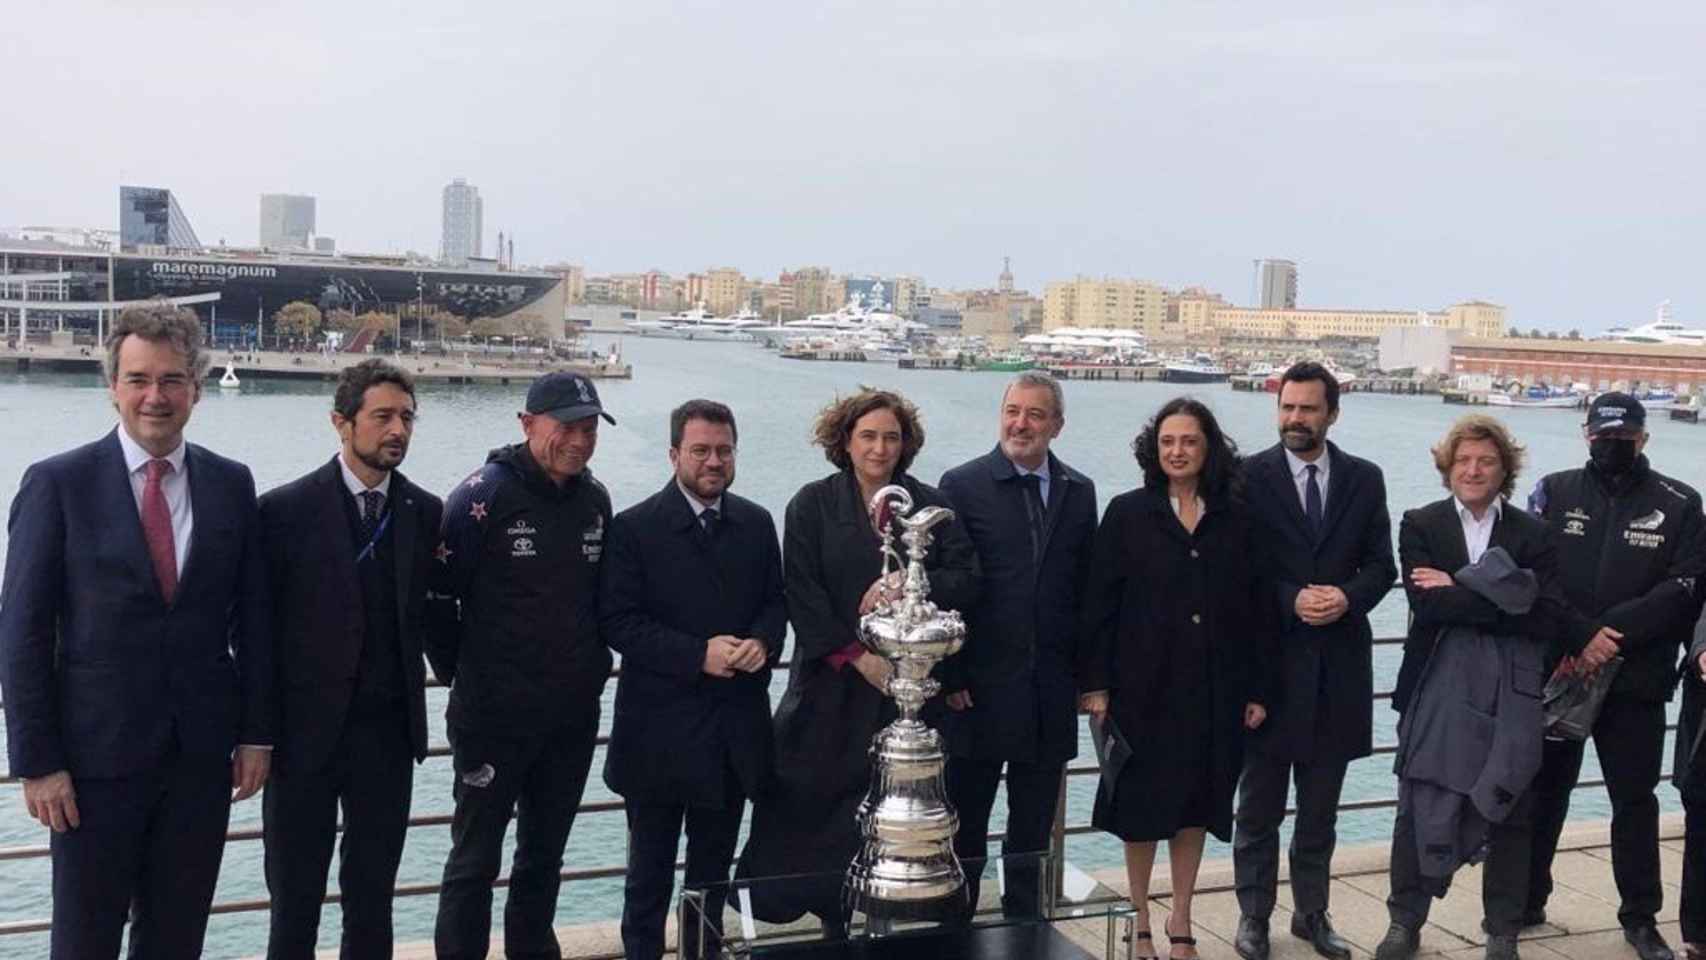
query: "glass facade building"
150, 216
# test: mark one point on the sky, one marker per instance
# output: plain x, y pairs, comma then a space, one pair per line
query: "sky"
1548, 157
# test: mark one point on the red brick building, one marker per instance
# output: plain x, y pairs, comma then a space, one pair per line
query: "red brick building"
1598, 364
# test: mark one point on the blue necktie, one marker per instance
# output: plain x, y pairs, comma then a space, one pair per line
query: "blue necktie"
1312, 502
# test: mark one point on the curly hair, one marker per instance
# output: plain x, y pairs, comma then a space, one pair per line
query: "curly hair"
834, 425
1221, 469
1479, 426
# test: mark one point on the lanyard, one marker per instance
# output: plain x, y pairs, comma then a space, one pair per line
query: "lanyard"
367, 551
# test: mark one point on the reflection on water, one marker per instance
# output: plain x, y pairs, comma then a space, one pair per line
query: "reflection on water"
281, 430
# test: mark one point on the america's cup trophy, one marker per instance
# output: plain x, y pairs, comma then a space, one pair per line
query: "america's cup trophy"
906, 868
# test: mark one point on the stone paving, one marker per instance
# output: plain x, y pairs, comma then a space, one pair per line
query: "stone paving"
1582, 913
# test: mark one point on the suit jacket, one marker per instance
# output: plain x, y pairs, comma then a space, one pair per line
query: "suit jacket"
1432, 536
1323, 710
665, 589
101, 676
317, 606
1022, 634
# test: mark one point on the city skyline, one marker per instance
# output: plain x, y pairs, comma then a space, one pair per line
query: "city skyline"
1539, 157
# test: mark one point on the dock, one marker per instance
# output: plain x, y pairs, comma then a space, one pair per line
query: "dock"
1096, 371
316, 366
1582, 914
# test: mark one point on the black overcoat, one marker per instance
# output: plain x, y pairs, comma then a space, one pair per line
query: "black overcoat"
805, 822
665, 589
1022, 634
1324, 708
1151, 585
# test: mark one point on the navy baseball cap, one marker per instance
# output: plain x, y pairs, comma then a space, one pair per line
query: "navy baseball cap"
1615, 410
565, 397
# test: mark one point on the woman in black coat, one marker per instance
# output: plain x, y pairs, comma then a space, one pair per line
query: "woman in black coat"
1177, 651
835, 702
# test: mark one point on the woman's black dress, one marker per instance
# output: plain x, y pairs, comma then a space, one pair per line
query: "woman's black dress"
1179, 629
805, 824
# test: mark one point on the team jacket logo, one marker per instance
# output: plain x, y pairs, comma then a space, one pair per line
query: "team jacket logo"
592, 541
523, 547
1575, 528
1651, 521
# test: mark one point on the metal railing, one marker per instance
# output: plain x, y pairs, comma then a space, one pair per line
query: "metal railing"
1061, 830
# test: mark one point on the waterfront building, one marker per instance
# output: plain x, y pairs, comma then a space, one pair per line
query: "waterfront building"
287, 221
1600, 364
907, 290
150, 217
1120, 304
463, 222
1279, 285
1004, 283
725, 291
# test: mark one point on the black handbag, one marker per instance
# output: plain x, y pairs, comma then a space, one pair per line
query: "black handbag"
1571, 701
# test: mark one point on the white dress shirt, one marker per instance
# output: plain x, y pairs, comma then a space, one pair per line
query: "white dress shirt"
357, 488
1478, 533
175, 485
699, 506
1300, 477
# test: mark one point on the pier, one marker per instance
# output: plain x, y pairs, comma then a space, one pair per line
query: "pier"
317, 366
1094, 371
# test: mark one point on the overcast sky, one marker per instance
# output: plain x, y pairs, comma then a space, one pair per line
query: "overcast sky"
1407, 155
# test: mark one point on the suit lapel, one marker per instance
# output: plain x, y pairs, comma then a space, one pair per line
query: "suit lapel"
1452, 532
1279, 475
205, 505
115, 481
403, 532
1342, 477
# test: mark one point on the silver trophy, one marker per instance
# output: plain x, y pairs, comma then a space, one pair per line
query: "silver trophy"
906, 868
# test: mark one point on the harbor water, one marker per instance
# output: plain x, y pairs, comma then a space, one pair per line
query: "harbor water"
282, 431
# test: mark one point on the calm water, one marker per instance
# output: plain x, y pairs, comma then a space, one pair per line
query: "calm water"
282, 431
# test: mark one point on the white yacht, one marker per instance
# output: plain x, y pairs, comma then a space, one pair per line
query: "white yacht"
1663, 329
698, 323
852, 320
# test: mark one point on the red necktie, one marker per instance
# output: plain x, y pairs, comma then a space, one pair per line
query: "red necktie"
157, 527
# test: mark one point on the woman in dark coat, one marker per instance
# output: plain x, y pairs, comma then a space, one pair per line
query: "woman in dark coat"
1177, 651
835, 703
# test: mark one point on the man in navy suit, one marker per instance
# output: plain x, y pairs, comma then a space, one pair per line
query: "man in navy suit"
1329, 539
350, 547
135, 654
1011, 695
691, 596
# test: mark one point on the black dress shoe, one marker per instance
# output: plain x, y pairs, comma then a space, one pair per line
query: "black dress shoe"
1400, 943
1648, 944
1318, 930
1252, 940
1533, 917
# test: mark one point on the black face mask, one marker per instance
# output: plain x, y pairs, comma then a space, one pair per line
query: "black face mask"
1612, 455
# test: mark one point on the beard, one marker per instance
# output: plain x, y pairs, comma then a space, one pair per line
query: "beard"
1300, 439
381, 457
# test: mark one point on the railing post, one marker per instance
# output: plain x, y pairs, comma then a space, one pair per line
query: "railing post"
1057, 847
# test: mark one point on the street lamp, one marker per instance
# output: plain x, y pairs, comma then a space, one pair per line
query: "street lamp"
420, 310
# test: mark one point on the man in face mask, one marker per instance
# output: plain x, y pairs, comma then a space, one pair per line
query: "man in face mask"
1631, 554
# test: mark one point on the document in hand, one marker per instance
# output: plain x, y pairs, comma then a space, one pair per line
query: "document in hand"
1112, 752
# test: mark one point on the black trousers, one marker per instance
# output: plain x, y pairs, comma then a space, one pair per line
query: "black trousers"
654, 831
539, 780
1629, 737
1504, 886
1255, 833
371, 776
150, 846
1693, 908
1033, 791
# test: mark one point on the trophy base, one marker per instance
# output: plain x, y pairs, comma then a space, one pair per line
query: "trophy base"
1029, 941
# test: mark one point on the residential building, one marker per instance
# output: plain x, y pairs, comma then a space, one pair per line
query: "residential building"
1279, 285
1088, 302
725, 291
463, 222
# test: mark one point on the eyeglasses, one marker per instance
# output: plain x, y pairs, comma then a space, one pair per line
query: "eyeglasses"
699, 453
168, 383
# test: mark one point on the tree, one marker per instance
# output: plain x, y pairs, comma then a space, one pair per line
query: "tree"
449, 324
297, 319
1551, 334
374, 320
1514, 333
344, 321
1534, 333
532, 328
486, 327
1574, 334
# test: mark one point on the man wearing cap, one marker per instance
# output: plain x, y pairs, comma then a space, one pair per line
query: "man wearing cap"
1631, 552
513, 627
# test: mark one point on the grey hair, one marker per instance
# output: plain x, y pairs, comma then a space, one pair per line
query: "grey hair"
1044, 379
161, 322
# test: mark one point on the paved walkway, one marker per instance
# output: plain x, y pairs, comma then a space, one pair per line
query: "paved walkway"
1583, 910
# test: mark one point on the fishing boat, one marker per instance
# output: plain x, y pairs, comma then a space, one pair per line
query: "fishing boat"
1538, 397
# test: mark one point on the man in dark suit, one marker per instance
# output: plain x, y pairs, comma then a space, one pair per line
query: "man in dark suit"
1011, 695
349, 547
691, 597
135, 657
1478, 461
1330, 542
